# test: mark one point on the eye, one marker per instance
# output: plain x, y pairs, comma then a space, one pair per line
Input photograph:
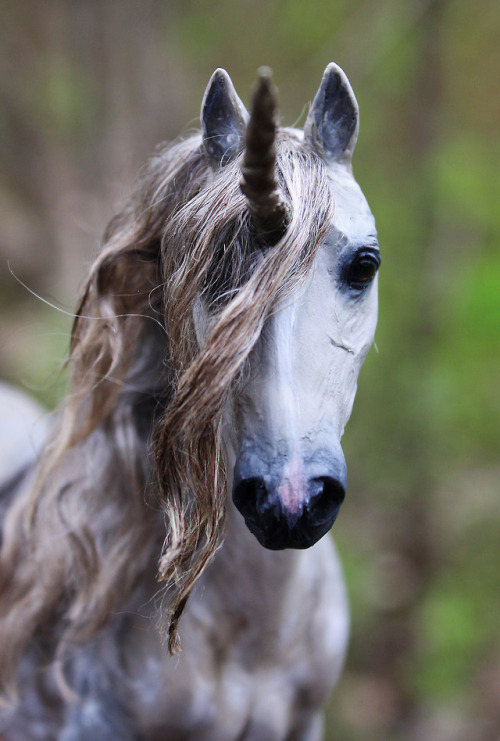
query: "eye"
362, 270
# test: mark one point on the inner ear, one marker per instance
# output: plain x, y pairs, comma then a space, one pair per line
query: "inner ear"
331, 128
223, 120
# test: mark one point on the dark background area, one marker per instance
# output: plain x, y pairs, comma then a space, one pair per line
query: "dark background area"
86, 91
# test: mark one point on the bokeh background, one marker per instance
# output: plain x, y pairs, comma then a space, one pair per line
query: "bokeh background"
87, 88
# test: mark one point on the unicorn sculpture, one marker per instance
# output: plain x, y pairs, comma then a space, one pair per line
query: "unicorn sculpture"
164, 572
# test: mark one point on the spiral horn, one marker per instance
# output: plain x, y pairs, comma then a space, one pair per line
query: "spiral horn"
258, 182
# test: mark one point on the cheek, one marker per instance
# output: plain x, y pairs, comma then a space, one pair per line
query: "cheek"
340, 390
358, 320
343, 351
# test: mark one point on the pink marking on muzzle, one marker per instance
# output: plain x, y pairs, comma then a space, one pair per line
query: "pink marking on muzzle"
292, 488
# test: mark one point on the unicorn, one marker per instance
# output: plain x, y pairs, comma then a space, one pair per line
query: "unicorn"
165, 570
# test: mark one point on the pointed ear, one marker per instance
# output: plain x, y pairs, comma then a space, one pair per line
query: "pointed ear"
223, 120
331, 128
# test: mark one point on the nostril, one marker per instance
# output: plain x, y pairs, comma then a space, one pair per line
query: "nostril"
326, 495
261, 512
250, 495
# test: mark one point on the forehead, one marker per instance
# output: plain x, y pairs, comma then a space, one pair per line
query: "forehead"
353, 217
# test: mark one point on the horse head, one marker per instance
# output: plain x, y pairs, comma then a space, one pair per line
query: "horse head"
296, 396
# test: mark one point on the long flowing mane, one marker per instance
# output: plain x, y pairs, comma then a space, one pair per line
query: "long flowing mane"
139, 439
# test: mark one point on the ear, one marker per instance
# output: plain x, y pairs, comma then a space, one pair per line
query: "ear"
331, 128
223, 120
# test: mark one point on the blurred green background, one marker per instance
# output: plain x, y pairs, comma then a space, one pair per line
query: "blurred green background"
86, 91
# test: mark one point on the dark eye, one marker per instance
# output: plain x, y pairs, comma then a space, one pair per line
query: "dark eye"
360, 273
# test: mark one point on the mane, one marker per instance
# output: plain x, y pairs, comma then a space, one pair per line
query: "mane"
139, 440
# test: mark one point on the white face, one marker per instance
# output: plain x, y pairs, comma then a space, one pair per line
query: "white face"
293, 411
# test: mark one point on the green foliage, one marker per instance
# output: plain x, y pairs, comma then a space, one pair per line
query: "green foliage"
469, 360
467, 187
450, 636
35, 349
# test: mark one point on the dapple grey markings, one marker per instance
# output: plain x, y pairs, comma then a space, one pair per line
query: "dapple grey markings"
215, 355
